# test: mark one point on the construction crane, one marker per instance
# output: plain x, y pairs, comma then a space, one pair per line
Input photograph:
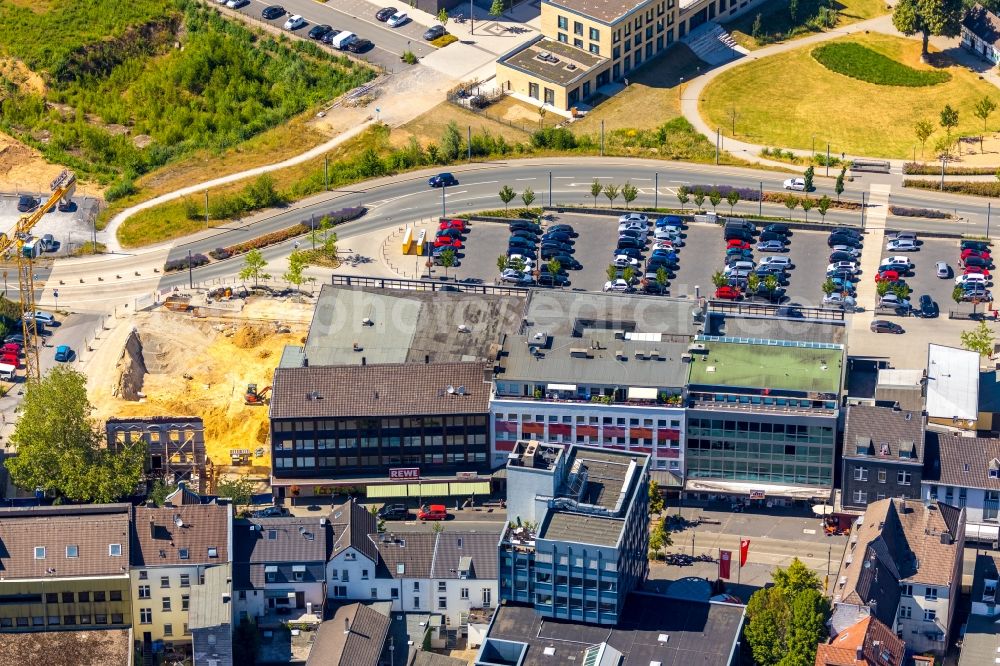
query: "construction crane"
255, 397
17, 240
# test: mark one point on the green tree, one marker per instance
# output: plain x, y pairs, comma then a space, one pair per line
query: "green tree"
757, 30
699, 199
612, 272
771, 284
810, 612
659, 537
611, 192
791, 201
928, 17
448, 260
496, 9
554, 265
629, 193
949, 120
793, 10
297, 264
808, 177
838, 187
829, 286
528, 197
807, 205
320, 235
786, 622
442, 16
719, 279
238, 490
59, 447
507, 195
595, 190
451, 142
253, 267
882, 287
501, 262
628, 274
683, 196
822, 206
901, 291
714, 198
980, 339
923, 130
159, 491
958, 294
984, 109
732, 199
655, 498
767, 622
662, 278
517, 264
753, 283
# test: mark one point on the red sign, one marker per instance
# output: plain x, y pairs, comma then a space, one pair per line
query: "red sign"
725, 559
404, 473
744, 551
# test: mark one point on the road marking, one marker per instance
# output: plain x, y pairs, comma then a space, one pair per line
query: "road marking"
808, 531
520, 179
564, 177
485, 182
645, 179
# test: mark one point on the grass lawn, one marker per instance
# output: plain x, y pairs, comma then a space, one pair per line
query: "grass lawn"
651, 97
778, 25
780, 110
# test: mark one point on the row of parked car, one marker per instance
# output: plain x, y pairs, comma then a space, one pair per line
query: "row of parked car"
537, 256
772, 271
344, 40
976, 263
630, 266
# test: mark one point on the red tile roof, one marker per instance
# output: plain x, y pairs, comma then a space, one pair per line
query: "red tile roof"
878, 645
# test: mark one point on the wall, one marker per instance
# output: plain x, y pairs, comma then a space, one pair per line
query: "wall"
355, 564
42, 607
913, 628
176, 617
524, 484
875, 489
455, 605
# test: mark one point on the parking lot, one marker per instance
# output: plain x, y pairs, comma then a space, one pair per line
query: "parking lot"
70, 229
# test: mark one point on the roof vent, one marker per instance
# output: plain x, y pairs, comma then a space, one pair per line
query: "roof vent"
367, 322
461, 390
462, 328
450, 389
570, 67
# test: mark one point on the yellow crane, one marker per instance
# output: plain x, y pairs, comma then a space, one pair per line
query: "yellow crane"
62, 189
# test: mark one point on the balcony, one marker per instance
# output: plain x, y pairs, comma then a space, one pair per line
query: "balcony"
275, 617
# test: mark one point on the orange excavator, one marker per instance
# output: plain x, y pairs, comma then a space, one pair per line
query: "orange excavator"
255, 397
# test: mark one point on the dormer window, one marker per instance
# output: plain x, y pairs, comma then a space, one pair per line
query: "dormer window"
213, 551
995, 468
272, 535
990, 591
115, 550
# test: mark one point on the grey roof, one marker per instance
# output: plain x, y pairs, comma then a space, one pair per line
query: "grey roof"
361, 645
771, 328
608, 483
212, 601
966, 462
981, 642
422, 658
406, 326
535, 57
414, 551
983, 24
474, 551
186, 534
283, 543
605, 11
582, 528
351, 524
380, 390
885, 434
598, 358
987, 568
698, 633
574, 313
989, 391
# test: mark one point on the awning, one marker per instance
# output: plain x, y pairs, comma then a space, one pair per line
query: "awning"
427, 489
822, 509
640, 393
470, 488
666, 479
975, 532
744, 488
390, 490
298, 568
561, 387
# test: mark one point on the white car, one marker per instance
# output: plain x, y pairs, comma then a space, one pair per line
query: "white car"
970, 278
397, 19
797, 184
902, 245
667, 233
623, 260
664, 244
943, 270
617, 285
528, 263
236, 4
894, 301
846, 248
631, 224
837, 298
897, 261
842, 267
40, 316
633, 217
294, 22
776, 261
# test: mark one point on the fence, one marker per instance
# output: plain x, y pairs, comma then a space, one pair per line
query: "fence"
424, 285
463, 103
777, 311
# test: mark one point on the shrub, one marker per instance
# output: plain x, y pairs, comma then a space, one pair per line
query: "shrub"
444, 40
409, 58
336, 217
182, 264
119, 189
975, 188
220, 253
862, 63
558, 138
753, 194
917, 169
902, 211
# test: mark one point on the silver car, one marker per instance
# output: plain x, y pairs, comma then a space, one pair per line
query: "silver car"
943, 270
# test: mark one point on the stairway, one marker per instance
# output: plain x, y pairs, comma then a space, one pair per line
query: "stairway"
712, 44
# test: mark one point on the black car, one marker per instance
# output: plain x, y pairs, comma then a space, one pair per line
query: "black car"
15, 337
556, 247
629, 252
782, 229
628, 241
977, 261
320, 31
775, 296
360, 45
564, 227
772, 236
271, 512
561, 236
928, 308
525, 234
328, 37
434, 32
525, 224
654, 266
738, 234
273, 12
842, 256
442, 180
850, 231
982, 246
26, 203
552, 280
393, 512
838, 239
566, 261
384, 13
66, 206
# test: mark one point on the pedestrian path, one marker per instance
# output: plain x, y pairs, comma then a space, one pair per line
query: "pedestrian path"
877, 211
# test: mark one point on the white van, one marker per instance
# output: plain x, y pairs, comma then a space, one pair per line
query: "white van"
342, 39
7, 372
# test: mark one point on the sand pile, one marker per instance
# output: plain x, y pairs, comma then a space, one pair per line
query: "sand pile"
248, 337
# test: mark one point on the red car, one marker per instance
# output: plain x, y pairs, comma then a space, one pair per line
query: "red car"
974, 253
728, 292
452, 224
887, 276
444, 241
11, 348
736, 242
10, 359
978, 270
433, 512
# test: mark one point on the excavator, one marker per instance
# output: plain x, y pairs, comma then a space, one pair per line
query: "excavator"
17, 239
255, 397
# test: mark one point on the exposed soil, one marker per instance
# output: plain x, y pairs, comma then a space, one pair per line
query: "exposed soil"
21, 76
23, 169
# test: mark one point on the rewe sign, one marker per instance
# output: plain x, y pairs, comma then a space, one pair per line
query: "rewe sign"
404, 473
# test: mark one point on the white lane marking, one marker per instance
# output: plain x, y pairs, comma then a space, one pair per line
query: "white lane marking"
564, 177
519, 179
485, 182
645, 179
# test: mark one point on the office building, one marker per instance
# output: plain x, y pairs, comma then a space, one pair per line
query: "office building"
883, 455
577, 536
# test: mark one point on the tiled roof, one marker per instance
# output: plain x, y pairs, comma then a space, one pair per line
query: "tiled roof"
280, 542
966, 461
360, 645
884, 433
397, 389
879, 646
983, 23
77, 541
405, 555
453, 549
351, 524
185, 534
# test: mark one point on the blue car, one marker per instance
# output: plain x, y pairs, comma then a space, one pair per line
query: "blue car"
442, 180
669, 221
63, 353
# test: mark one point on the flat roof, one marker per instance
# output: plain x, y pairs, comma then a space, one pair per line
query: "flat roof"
605, 11
552, 61
758, 365
574, 313
731, 325
108, 647
952, 383
583, 528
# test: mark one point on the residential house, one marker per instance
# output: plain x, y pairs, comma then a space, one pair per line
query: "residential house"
279, 569
355, 636
354, 557
211, 618
903, 566
883, 455
65, 567
965, 472
981, 642
981, 33
867, 643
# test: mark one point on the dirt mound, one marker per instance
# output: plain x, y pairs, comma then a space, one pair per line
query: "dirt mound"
130, 371
248, 337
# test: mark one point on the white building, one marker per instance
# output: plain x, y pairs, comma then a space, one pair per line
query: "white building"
965, 472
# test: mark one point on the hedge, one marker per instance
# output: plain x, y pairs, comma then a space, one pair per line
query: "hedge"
917, 169
975, 188
902, 211
182, 264
753, 194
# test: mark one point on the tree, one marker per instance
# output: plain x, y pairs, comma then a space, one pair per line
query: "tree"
517, 264
901, 290
554, 266
629, 193
699, 199
793, 10
958, 294
595, 190
59, 447
791, 201
507, 195
808, 177
628, 274
659, 537
829, 286
528, 197
662, 278
732, 199
719, 280
253, 267
810, 612
882, 287
297, 263
683, 196
786, 622
655, 498
771, 284
923, 129
753, 283
949, 120
448, 260
612, 272
807, 205
984, 109
823, 206
496, 9
443, 16
611, 192
238, 490
757, 28
321, 236
501, 262
714, 198
928, 17
979, 339
158, 493
838, 187
451, 142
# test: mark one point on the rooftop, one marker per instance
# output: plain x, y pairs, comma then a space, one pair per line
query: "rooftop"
966, 462
879, 646
605, 11
397, 326
187, 534
551, 61
805, 369
884, 433
355, 636
981, 641
108, 647
583, 528
351, 524
651, 629
212, 601
952, 383
578, 314
451, 554
987, 568
767, 327
380, 390
63, 541
983, 23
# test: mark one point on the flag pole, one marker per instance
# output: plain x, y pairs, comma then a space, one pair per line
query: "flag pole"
739, 570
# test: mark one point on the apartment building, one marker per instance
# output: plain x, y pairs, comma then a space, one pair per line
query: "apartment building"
903, 566
172, 547
65, 567
577, 536
965, 472
883, 455
867, 643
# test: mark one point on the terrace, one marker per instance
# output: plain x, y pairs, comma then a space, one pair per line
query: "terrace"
765, 369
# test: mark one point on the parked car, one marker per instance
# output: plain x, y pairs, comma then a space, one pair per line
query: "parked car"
943, 269
977, 261
360, 45
978, 295
975, 245
902, 246
433, 512
565, 228
842, 239
887, 276
26, 203
903, 235
849, 249
567, 262
928, 308
734, 254
553, 280
618, 285
775, 296
738, 243
525, 224
525, 234
782, 229
728, 292
456, 223
434, 32
772, 236
273, 12
270, 512
897, 261
383, 14
450, 233
63, 353
633, 217
14, 338
627, 241
393, 512
785, 262
442, 180
894, 301
842, 256
561, 236
974, 253
237, 4
883, 326
445, 241
771, 246
838, 298
842, 283
976, 270
511, 276
397, 19
797, 184
621, 261
842, 267
294, 22
41, 316
669, 221
969, 278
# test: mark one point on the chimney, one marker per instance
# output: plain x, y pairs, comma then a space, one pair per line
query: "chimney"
347, 625
427, 358
364, 361
152, 529
305, 361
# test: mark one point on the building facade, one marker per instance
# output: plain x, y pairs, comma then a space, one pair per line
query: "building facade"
965, 472
883, 455
981, 33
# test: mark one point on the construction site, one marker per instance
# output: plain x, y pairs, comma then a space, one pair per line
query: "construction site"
199, 362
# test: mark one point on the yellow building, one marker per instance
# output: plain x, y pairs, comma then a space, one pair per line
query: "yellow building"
64, 567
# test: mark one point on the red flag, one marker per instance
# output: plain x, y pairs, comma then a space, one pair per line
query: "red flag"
744, 550
725, 558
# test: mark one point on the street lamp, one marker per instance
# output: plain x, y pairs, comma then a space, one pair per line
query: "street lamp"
680, 86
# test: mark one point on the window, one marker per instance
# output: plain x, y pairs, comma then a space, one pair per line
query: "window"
166, 604
903, 477
577, 28
84, 619
905, 612
39, 552
83, 597
562, 22
595, 34
364, 574
145, 616
577, 42
115, 595
143, 575
115, 550
168, 630
465, 593
416, 586
596, 49
442, 603
374, 593
930, 616
487, 597
394, 593
416, 602
906, 590
185, 580
100, 618
185, 601
186, 630
931, 594
213, 552
183, 553
51, 597
860, 473
562, 37
164, 582
144, 591
99, 596
860, 497
881, 476
989, 590
72, 551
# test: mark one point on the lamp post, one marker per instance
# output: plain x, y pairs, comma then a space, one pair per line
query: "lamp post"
656, 190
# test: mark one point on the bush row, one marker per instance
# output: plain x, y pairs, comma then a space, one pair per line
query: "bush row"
979, 189
917, 169
902, 211
752, 194
196, 260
